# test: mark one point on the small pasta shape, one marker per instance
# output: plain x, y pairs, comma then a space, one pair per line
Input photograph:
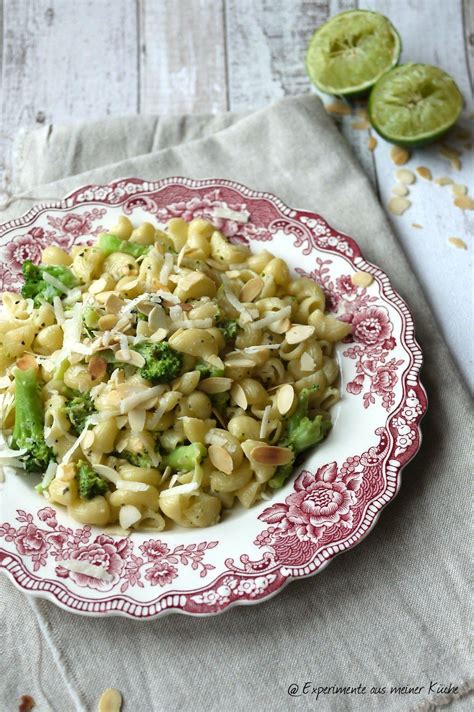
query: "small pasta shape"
55, 255
94, 511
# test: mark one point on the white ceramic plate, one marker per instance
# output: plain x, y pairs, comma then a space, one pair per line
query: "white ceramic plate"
338, 492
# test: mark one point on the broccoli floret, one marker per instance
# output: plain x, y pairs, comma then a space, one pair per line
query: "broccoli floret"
162, 363
220, 401
78, 409
28, 431
38, 289
90, 483
137, 459
302, 433
207, 370
109, 243
228, 327
185, 457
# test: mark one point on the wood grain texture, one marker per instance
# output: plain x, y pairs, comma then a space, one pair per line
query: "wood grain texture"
182, 56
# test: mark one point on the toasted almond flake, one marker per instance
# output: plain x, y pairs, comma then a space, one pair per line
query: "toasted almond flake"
221, 459
403, 175
399, 155
158, 319
285, 398
158, 335
98, 285
417, 226
281, 326
272, 455
136, 359
137, 418
271, 318
458, 189
107, 322
307, 362
107, 473
424, 172
457, 242
360, 125
127, 283
299, 333
215, 384
464, 202
372, 143
129, 515
97, 368
397, 206
251, 289
265, 422
362, 279
179, 490
338, 108
400, 190
130, 486
88, 441
238, 396
444, 180
114, 304
26, 361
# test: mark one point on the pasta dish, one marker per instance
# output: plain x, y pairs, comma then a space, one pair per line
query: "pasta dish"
163, 375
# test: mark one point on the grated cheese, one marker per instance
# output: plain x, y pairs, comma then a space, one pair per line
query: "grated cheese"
179, 490
126, 355
131, 402
73, 296
82, 567
67, 456
58, 310
128, 516
166, 268
271, 318
108, 473
236, 216
5, 382
265, 421
55, 282
8, 454
256, 349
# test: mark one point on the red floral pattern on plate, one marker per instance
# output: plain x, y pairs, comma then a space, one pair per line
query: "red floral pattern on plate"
331, 504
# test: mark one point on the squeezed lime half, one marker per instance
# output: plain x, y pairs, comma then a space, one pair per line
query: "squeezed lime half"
351, 51
414, 104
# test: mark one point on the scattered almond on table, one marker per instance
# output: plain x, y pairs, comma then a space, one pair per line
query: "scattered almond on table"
417, 226
372, 143
400, 189
458, 189
464, 202
338, 108
398, 205
424, 172
403, 175
457, 242
110, 701
399, 155
444, 180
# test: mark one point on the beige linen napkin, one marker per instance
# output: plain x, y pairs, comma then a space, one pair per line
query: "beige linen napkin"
393, 611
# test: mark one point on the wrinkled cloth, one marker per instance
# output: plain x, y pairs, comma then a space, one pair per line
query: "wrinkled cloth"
395, 610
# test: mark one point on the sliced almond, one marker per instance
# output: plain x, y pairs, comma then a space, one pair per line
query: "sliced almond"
107, 322
360, 125
221, 459
444, 180
400, 190
285, 398
281, 326
403, 175
114, 304
372, 143
98, 285
251, 289
129, 515
457, 242
307, 362
299, 333
110, 701
137, 419
238, 396
272, 455
97, 367
136, 359
458, 189
126, 284
216, 384
123, 356
26, 362
417, 226
338, 108
88, 440
362, 279
424, 172
215, 361
464, 202
399, 155
397, 206
185, 306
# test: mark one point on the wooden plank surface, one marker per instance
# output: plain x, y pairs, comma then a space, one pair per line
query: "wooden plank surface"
71, 60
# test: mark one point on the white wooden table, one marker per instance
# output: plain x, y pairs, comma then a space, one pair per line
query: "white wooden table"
70, 60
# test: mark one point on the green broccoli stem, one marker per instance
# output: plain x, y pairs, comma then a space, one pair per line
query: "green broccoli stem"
281, 475
185, 457
28, 430
109, 243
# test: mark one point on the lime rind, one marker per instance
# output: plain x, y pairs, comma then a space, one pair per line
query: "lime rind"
414, 104
351, 51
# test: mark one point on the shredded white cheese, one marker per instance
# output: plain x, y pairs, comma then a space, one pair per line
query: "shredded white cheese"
82, 567
58, 310
265, 421
271, 317
73, 296
126, 356
108, 473
9, 454
5, 382
55, 282
256, 349
166, 268
179, 490
128, 516
227, 213
133, 401
132, 486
